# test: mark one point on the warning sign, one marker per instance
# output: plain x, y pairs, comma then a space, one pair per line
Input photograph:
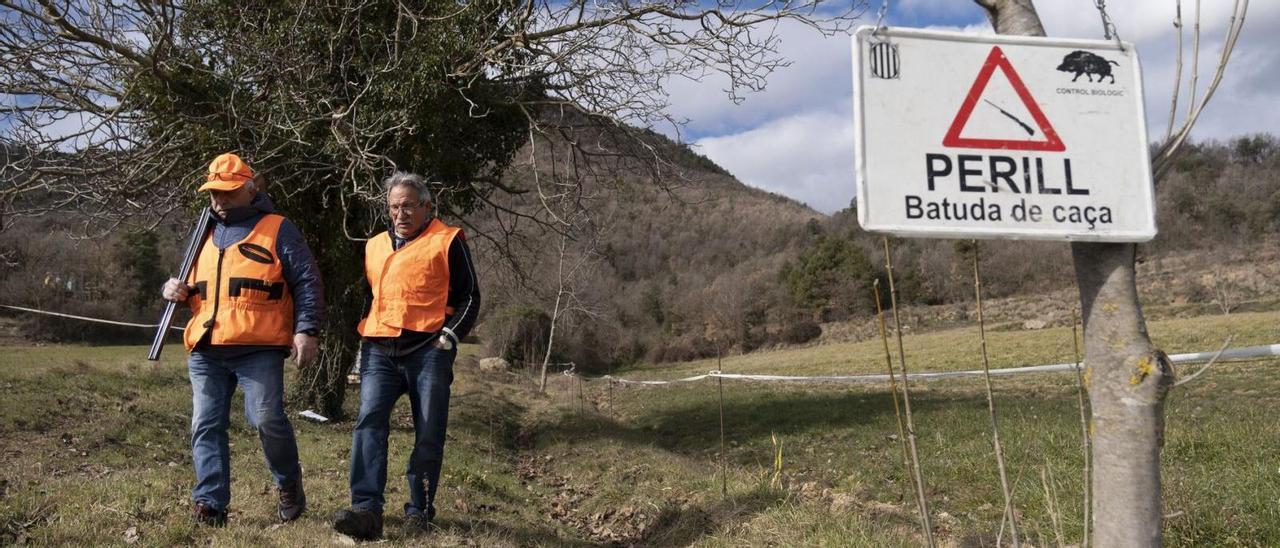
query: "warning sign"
997, 60
963, 136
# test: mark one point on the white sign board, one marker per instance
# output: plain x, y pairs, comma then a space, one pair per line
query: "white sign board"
963, 136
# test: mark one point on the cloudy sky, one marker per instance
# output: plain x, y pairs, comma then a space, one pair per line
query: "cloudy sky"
796, 138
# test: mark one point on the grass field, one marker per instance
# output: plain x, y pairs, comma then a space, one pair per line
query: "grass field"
95, 451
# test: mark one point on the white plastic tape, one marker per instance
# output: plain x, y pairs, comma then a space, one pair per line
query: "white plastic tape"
1243, 353
85, 318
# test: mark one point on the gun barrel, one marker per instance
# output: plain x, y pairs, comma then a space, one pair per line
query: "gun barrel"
188, 261
157, 343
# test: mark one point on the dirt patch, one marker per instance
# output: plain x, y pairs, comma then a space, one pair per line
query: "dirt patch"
621, 526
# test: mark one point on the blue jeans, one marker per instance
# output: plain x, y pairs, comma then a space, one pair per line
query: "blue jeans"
213, 382
426, 375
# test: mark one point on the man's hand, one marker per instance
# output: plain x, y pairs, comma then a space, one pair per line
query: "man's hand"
442, 343
175, 290
305, 349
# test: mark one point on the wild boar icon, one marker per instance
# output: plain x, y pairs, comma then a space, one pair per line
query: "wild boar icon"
1088, 64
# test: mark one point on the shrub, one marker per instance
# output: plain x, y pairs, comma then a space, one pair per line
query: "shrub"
800, 331
517, 334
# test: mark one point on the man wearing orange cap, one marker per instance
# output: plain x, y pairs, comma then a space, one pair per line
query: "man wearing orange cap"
255, 295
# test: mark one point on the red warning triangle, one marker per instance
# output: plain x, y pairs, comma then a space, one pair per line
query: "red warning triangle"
996, 59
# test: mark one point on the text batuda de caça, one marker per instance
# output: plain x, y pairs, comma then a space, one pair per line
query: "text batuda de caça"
978, 175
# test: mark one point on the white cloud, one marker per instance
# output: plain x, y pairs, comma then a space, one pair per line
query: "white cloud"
1245, 101
807, 156
818, 77
796, 138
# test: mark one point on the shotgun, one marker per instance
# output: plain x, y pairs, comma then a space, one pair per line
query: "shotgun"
188, 261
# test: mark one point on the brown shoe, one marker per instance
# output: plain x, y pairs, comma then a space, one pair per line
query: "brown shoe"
293, 502
358, 523
208, 515
418, 523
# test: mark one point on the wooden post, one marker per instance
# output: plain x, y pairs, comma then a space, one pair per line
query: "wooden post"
991, 403
893, 387
925, 522
724, 463
1084, 433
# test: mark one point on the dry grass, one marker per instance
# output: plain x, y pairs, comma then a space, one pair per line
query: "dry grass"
957, 349
95, 446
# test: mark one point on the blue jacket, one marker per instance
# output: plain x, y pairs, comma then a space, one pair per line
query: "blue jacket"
300, 270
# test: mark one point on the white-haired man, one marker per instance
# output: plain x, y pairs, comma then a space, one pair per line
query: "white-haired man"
425, 300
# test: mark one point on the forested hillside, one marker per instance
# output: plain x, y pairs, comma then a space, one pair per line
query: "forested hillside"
716, 266
686, 266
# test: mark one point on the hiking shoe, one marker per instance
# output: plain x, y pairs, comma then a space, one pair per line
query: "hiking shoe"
208, 515
293, 501
358, 523
418, 522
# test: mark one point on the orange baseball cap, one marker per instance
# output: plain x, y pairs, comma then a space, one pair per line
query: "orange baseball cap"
226, 172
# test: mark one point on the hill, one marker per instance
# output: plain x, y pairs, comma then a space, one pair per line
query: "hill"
709, 265
668, 257
664, 259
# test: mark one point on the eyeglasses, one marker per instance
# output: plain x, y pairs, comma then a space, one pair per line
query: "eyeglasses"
396, 209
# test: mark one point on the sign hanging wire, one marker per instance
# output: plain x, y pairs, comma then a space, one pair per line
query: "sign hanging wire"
884, 8
1109, 31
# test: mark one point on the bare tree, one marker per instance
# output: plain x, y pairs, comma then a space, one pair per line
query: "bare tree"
1128, 377
84, 78
113, 108
573, 265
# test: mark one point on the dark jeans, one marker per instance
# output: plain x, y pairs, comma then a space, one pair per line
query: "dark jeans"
213, 382
426, 375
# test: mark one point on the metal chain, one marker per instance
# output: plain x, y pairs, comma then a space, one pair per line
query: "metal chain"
1108, 25
884, 8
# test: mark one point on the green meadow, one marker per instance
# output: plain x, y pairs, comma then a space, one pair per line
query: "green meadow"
95, 451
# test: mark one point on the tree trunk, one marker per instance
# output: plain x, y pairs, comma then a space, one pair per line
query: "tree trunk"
555, 314
323, 385
1128, 379
1013, 17
551, 339
1127, 376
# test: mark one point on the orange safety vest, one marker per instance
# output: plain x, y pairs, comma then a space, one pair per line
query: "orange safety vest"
242, 296
410, 284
